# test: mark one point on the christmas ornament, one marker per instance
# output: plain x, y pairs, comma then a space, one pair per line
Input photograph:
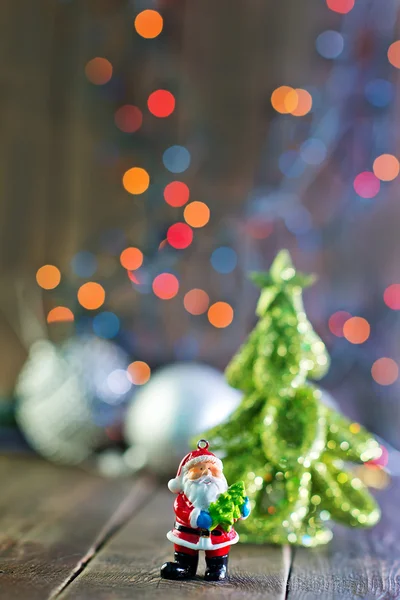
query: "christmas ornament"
288, 447
202, 521
177, 403
67, 396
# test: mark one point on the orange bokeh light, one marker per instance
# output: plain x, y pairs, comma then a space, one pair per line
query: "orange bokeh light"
91, 295
165, 286
139, 372
284, 99
386, 167
304, 103
196, 214
60, 314
131, 258
196, 301
149, 24
220, 314
385, 371
99, 70
394, 54
48, 277
136, 180
356, 330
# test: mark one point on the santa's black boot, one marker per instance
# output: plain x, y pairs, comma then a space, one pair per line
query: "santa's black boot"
217, 568
184, 567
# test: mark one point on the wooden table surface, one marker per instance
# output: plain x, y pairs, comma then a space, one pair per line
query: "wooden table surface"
69, 535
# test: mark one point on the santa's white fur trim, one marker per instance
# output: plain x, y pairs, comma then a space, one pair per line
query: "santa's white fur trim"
175, 485
194, 515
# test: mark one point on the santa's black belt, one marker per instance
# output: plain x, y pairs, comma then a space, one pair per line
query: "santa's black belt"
200, 532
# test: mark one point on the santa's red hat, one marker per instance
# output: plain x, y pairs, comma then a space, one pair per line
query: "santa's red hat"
202, 454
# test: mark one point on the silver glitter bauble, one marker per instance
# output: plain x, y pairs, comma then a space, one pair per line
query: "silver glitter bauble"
179, 401
67, 396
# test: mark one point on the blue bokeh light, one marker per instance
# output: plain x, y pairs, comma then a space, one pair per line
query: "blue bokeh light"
106, 325
379, 92
84, 264
224, 259
313, 151
176, 159
290, 165
330, 44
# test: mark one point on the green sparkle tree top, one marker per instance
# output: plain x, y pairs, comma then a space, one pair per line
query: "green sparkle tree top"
288, 447
226, 509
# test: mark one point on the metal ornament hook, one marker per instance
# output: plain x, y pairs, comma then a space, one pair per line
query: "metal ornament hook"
202, 444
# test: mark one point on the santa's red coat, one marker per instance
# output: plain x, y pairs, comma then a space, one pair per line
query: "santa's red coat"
187, 515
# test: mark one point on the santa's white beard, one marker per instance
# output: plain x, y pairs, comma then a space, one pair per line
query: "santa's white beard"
201, 492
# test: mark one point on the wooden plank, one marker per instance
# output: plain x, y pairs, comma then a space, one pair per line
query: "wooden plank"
356, 564
129, 565
52, 520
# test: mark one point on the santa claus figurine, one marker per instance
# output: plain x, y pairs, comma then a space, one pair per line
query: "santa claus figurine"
198, 482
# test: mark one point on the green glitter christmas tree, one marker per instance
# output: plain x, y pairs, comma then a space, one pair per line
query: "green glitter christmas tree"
226, 509
282, 441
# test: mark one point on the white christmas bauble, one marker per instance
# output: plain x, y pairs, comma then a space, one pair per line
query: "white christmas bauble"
68, 395
178, 402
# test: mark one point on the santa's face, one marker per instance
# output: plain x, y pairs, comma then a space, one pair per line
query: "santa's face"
203, 483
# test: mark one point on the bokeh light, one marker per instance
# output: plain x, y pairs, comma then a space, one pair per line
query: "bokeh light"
48, 277
394, 54
284, 99
313, 151
165, 286
196, 214
356, 330
330, 44
341, 6
336, 322
379, 92
304, 103
84, 264
106, 325
180, 236
224, 259
290, 165
149, 24
196, 301
91, 295
131, 258
176, 159
136, 180
99, 70
161, 103
60, 314
176, 193
128, 118
386, 167
139, 372
258, 229
119, 384
385, 371
391, 296
220, 314
367, 185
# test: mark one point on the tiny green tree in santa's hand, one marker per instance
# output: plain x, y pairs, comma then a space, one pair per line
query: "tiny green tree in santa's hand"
226, 510
288, 447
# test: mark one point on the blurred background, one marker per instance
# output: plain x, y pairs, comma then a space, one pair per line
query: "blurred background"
154, 153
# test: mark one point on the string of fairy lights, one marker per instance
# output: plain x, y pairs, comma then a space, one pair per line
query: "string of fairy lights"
176, 159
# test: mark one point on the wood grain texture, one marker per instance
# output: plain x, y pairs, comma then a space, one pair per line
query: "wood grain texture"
129, 565
52, 519
356, 564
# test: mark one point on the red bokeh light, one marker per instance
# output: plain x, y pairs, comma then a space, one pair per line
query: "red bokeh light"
128, 118
176, 193
367, 185
336, 322
165, 286
391, 296
161, 103
341, 6
180, 236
